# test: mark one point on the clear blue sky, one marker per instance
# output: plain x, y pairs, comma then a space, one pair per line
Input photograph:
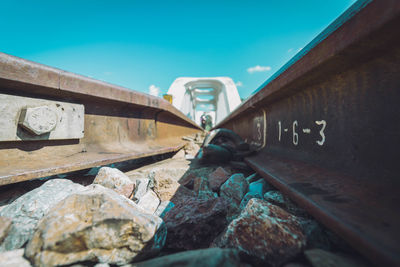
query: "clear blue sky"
137, 44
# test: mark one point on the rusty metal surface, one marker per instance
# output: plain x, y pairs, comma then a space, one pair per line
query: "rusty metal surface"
119, 124
24, 77
332, 129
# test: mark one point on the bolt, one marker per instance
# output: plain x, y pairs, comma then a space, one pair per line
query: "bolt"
38, 120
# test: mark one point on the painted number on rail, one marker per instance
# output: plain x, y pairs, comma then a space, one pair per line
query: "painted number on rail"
295, 130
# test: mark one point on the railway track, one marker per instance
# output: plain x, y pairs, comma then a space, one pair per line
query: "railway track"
325, 127
98, 123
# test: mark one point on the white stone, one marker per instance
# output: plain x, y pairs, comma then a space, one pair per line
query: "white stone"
14, 258
116, 180
96, 225
179, 155
142, 186
28, 209
163, 208
149, 202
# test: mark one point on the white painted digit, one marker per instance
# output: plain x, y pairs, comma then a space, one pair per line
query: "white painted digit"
295, 135
259, 130
321, 132
280, 130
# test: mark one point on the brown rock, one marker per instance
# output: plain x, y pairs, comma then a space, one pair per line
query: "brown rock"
168, 189
188, 178
201, 188
95, 225
217, 178
266, 232
5, 226
195, 223
116, 180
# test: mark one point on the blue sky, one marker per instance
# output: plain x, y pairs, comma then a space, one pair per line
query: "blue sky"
138, 44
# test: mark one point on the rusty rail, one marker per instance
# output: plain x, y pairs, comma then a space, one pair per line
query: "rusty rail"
117, 124
327, 125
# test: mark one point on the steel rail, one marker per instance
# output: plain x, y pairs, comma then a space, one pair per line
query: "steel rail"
118, 124
327, 129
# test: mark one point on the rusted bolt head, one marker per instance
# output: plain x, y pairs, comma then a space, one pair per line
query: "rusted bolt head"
38, 120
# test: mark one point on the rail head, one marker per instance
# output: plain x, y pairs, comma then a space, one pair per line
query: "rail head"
21, 76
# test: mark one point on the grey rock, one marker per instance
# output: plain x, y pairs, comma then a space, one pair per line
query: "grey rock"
5, 226
295, 264
277, 198
106, 228
28, 209
240, 165
210, 257
252, 178
256, 190
214, 154
2, 207
225, 136
259, 187
14, 258
315, 234
322, 258
265, 232
116, 180
149, 202
142, 186
235, 188
163, 208
152, 177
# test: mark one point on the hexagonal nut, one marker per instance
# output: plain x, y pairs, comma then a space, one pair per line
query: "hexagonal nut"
38, 120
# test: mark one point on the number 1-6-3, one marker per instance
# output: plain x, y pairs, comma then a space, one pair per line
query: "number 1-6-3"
295, 129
